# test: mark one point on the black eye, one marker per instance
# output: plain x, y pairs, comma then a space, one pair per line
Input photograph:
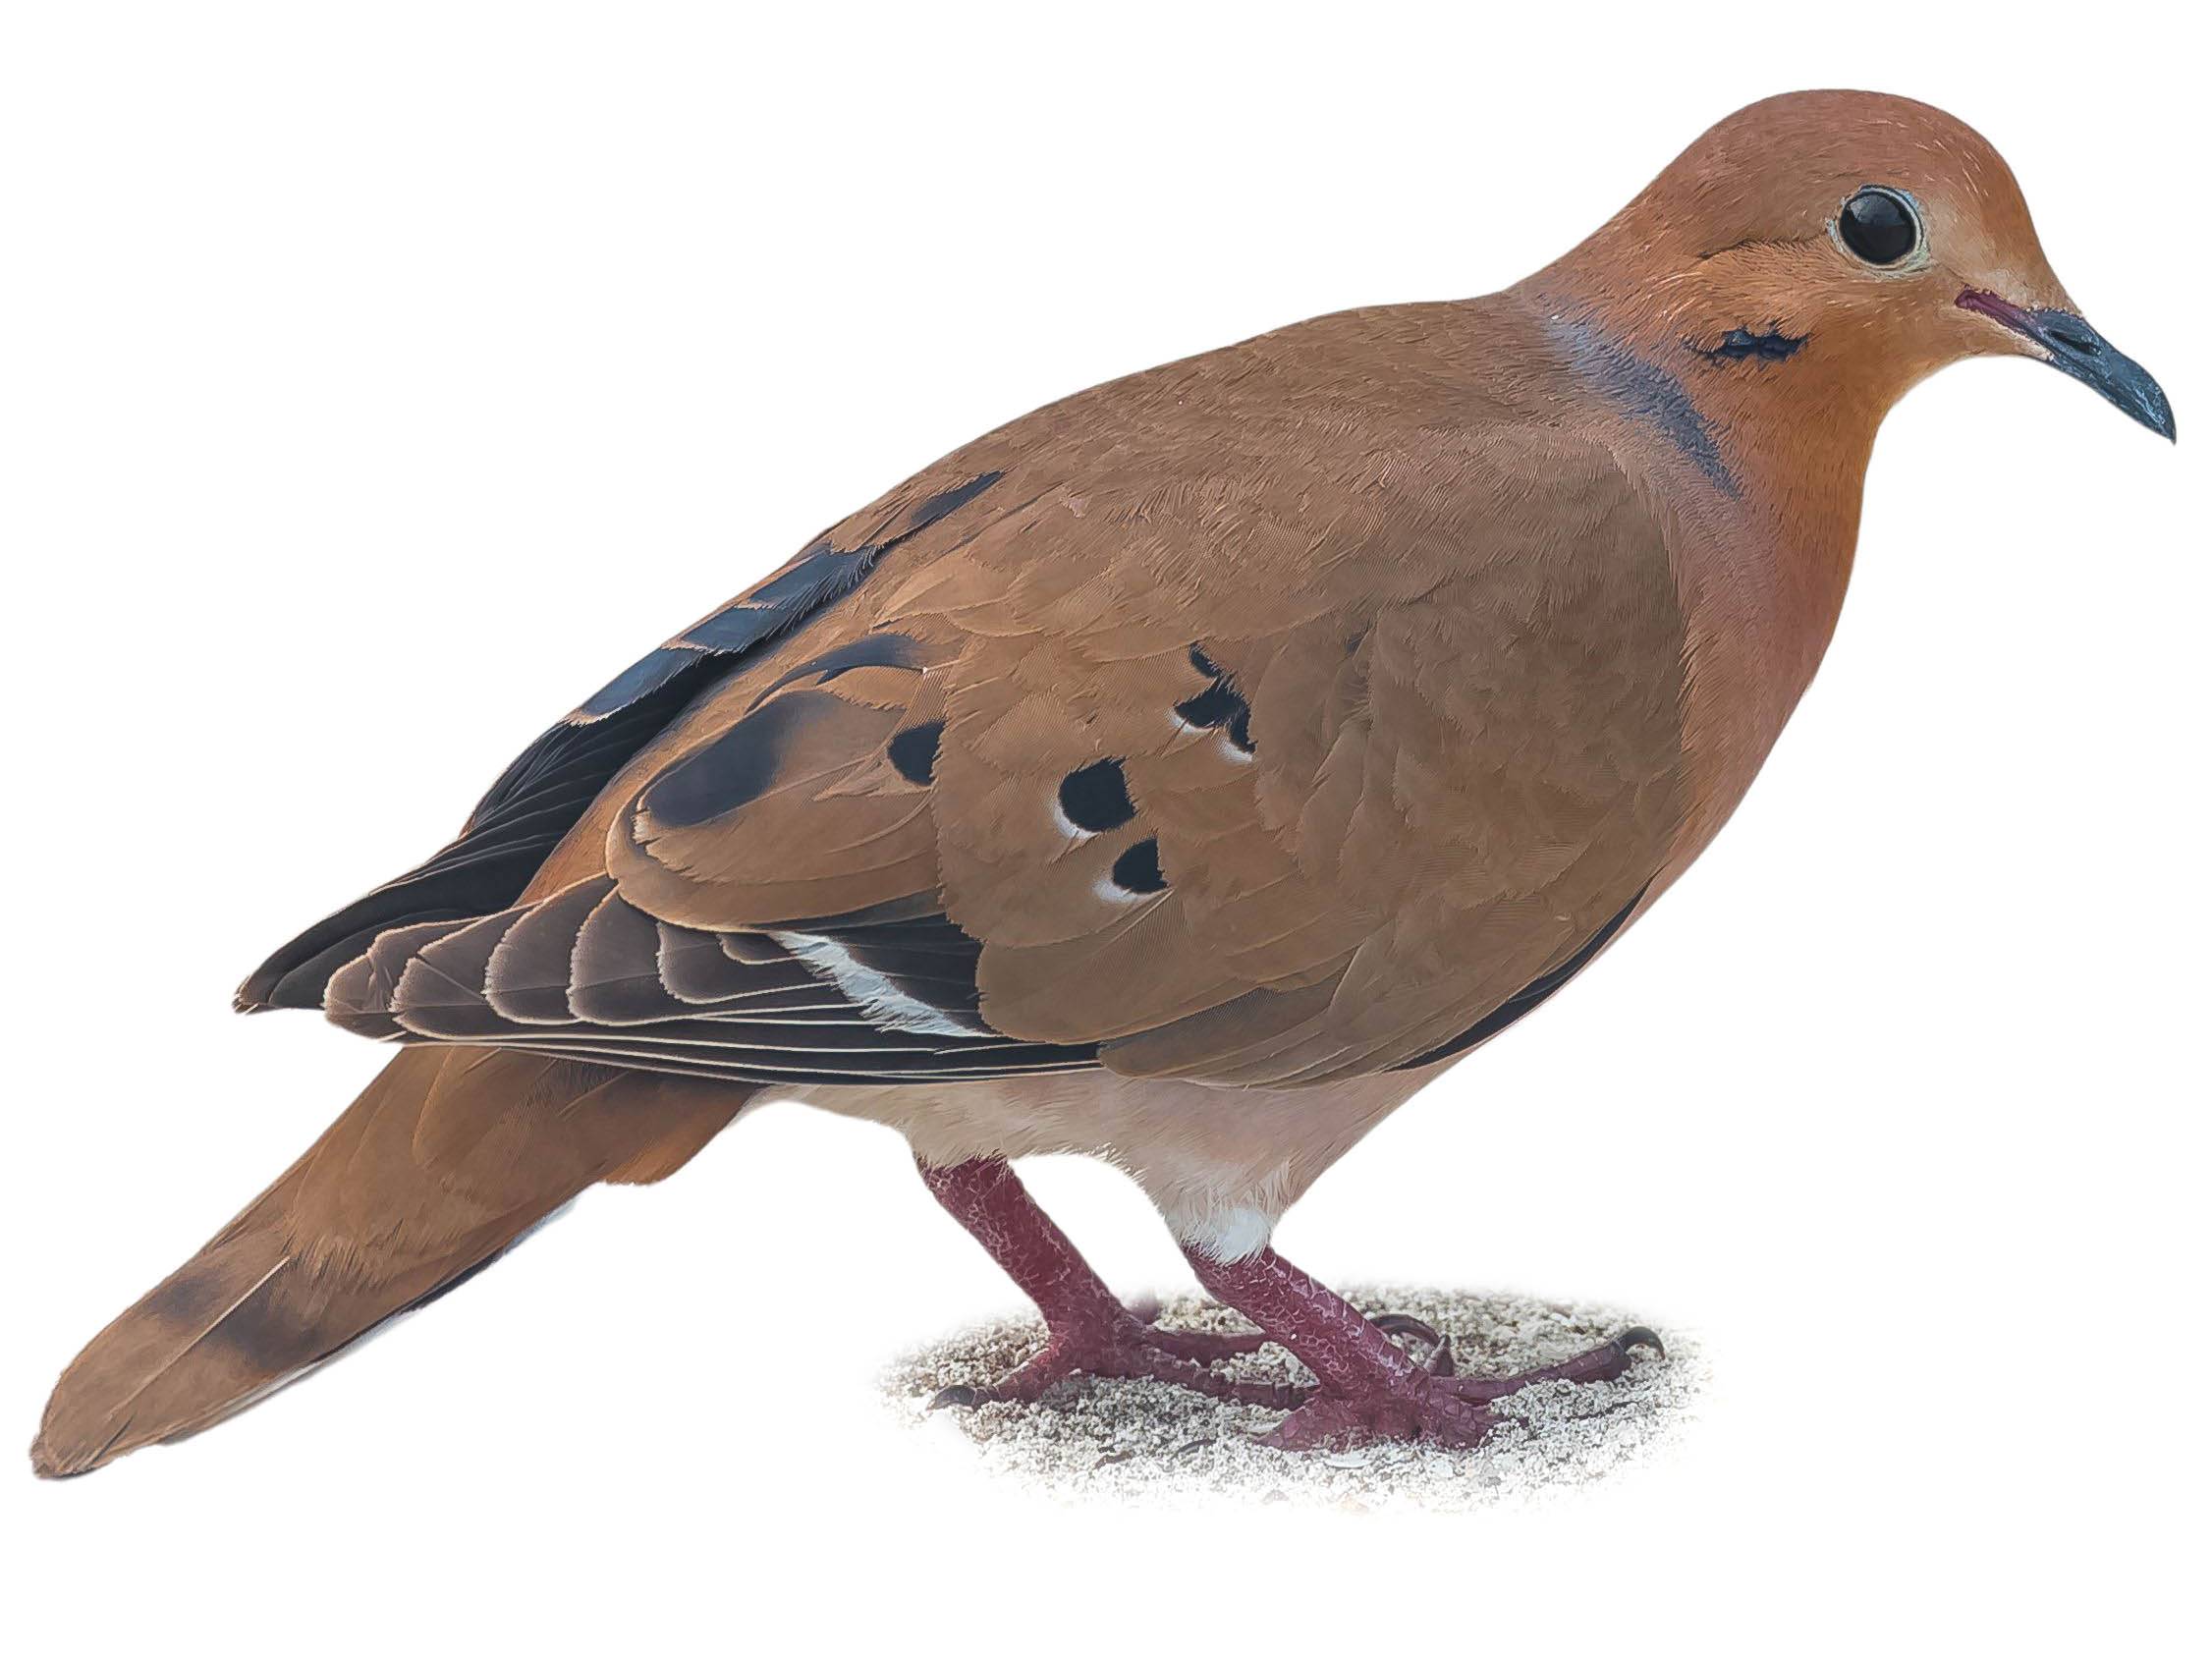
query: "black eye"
1879, 226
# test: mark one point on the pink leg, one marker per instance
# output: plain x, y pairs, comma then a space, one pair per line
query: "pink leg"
1370, 1387
1085, 1328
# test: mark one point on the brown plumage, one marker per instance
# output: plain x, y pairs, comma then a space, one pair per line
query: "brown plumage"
1180, 774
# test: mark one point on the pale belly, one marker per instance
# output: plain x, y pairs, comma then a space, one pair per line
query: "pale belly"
1222, 1164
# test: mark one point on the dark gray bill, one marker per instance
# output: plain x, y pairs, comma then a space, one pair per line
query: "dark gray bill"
2080, 351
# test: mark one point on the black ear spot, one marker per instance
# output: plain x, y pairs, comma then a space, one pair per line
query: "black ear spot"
1138, 869
1739, 344
1095, 797
914, 752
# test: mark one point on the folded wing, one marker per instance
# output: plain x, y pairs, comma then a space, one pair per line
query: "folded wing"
1000, 817
549, 787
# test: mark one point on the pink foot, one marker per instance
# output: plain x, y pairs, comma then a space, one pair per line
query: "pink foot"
1601, 1363
1422, 1411
1207, 1348
1129, 1348
1434, 1405
1088, 1331
1371, 1389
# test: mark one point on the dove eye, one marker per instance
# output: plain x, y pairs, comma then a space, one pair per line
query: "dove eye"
1879, 225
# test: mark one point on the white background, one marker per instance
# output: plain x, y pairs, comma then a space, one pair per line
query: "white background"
378, 379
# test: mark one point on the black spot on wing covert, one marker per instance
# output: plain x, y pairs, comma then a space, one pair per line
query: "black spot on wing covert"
914, 752
1138, 869
1095, 797
551, 784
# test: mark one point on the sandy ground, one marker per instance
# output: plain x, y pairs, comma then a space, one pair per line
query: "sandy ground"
1152, 1443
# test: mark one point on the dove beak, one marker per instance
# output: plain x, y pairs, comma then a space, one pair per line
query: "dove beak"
2073, 346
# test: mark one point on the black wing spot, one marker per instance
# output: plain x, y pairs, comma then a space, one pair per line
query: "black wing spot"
737, 767
914, 752
1138, 869
1095, 797
1213, 707
1219, 704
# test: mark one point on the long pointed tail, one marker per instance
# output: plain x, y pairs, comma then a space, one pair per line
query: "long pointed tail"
444, 1160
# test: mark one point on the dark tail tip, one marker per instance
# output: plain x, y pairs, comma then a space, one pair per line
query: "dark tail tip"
210, 1339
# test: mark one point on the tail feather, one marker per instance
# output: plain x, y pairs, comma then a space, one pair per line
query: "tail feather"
446, 1159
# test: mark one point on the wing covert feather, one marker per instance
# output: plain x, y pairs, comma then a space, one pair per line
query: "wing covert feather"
1227, 725
1315, 835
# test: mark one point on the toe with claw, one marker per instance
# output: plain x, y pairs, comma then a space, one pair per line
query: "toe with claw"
1130, 1346
1439, 1363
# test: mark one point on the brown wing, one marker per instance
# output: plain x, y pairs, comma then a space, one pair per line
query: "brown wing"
1241, 732
551, 784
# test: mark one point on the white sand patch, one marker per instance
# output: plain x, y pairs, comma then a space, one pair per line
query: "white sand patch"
1153, 1443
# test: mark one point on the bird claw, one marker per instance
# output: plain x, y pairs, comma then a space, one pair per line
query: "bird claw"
1329, 1422
1439, 1363
1405, 1325
1602, 1363
1639, 1335
1439, 1406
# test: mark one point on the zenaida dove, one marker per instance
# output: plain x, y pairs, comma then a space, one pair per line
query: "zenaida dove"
1183, 774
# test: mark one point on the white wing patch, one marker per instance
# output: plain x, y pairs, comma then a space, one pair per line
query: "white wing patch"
884, 1004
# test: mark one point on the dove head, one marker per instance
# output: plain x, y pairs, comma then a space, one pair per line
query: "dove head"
1815, 256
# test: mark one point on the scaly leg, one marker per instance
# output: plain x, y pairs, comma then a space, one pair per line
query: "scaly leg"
1086, 1329
1371, 1389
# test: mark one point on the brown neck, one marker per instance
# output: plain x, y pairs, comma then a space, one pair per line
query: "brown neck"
1763, 427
